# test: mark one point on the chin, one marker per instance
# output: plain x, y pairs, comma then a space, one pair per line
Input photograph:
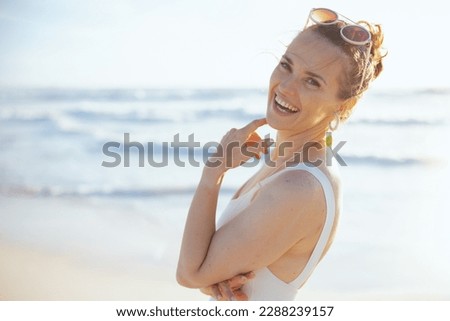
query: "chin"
277, 122
274, 123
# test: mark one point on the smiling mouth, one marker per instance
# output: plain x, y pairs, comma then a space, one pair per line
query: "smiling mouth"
285, 107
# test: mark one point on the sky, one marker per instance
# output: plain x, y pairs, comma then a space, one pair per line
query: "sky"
198, 43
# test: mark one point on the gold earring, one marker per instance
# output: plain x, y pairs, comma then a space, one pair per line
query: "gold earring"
334, 124
328, 139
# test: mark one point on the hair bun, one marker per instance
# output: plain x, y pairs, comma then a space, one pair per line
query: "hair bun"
377, 52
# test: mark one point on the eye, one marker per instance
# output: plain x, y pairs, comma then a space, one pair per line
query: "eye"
312, 82
285, 65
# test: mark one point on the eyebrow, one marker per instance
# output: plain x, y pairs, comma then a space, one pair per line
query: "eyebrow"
310, 73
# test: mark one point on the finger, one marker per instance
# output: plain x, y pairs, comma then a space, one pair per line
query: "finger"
254, 125
250, 275
225, 291
237, 281
254, 138
240, 295
207, 290
215, 292
255, 142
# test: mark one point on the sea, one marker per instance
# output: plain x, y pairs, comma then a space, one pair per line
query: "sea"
109, 174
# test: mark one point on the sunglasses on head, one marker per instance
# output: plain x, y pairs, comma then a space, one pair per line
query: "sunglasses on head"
352, 32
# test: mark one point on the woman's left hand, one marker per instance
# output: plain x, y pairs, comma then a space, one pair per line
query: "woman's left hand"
238, 146
229, 290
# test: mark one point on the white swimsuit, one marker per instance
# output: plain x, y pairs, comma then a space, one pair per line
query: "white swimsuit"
266, 286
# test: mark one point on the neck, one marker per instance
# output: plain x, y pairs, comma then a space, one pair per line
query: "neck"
300, 146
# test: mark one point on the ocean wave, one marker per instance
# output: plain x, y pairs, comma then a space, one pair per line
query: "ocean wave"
142, 94
384, 161
409, 92
85, 190
236, 113
11, 115
136, 116
117, 117
397, 122
123, 95
48, 191
433, 91
84, 115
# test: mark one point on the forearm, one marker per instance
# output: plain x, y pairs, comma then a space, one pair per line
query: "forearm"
200, 225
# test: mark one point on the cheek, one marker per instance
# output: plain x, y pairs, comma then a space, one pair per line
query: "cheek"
274, 77
326, 109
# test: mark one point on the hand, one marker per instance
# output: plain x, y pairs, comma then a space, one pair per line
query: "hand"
239, 145
229, 290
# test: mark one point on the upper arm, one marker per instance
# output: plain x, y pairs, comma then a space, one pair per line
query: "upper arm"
283, 211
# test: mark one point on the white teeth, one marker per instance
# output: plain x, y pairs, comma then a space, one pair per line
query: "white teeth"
285, 104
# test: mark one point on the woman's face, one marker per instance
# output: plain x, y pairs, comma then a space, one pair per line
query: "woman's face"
304, 86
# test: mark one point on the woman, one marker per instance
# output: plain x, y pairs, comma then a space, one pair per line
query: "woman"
281, 222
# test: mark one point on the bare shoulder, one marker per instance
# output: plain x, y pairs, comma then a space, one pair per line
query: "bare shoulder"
296, 181
303, 181
298, 190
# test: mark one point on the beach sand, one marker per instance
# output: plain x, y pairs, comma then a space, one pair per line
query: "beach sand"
86, 249
29, 274
75, 249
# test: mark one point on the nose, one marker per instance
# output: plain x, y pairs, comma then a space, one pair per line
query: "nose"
287, 85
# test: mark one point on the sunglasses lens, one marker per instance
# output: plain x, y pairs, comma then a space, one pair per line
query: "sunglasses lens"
356, 34
323, 16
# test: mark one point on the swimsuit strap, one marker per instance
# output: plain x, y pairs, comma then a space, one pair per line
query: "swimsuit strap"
329, 220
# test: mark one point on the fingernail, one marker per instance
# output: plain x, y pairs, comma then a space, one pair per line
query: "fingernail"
233, 298
219, 297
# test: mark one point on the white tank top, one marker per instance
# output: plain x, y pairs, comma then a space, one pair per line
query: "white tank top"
266, 286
